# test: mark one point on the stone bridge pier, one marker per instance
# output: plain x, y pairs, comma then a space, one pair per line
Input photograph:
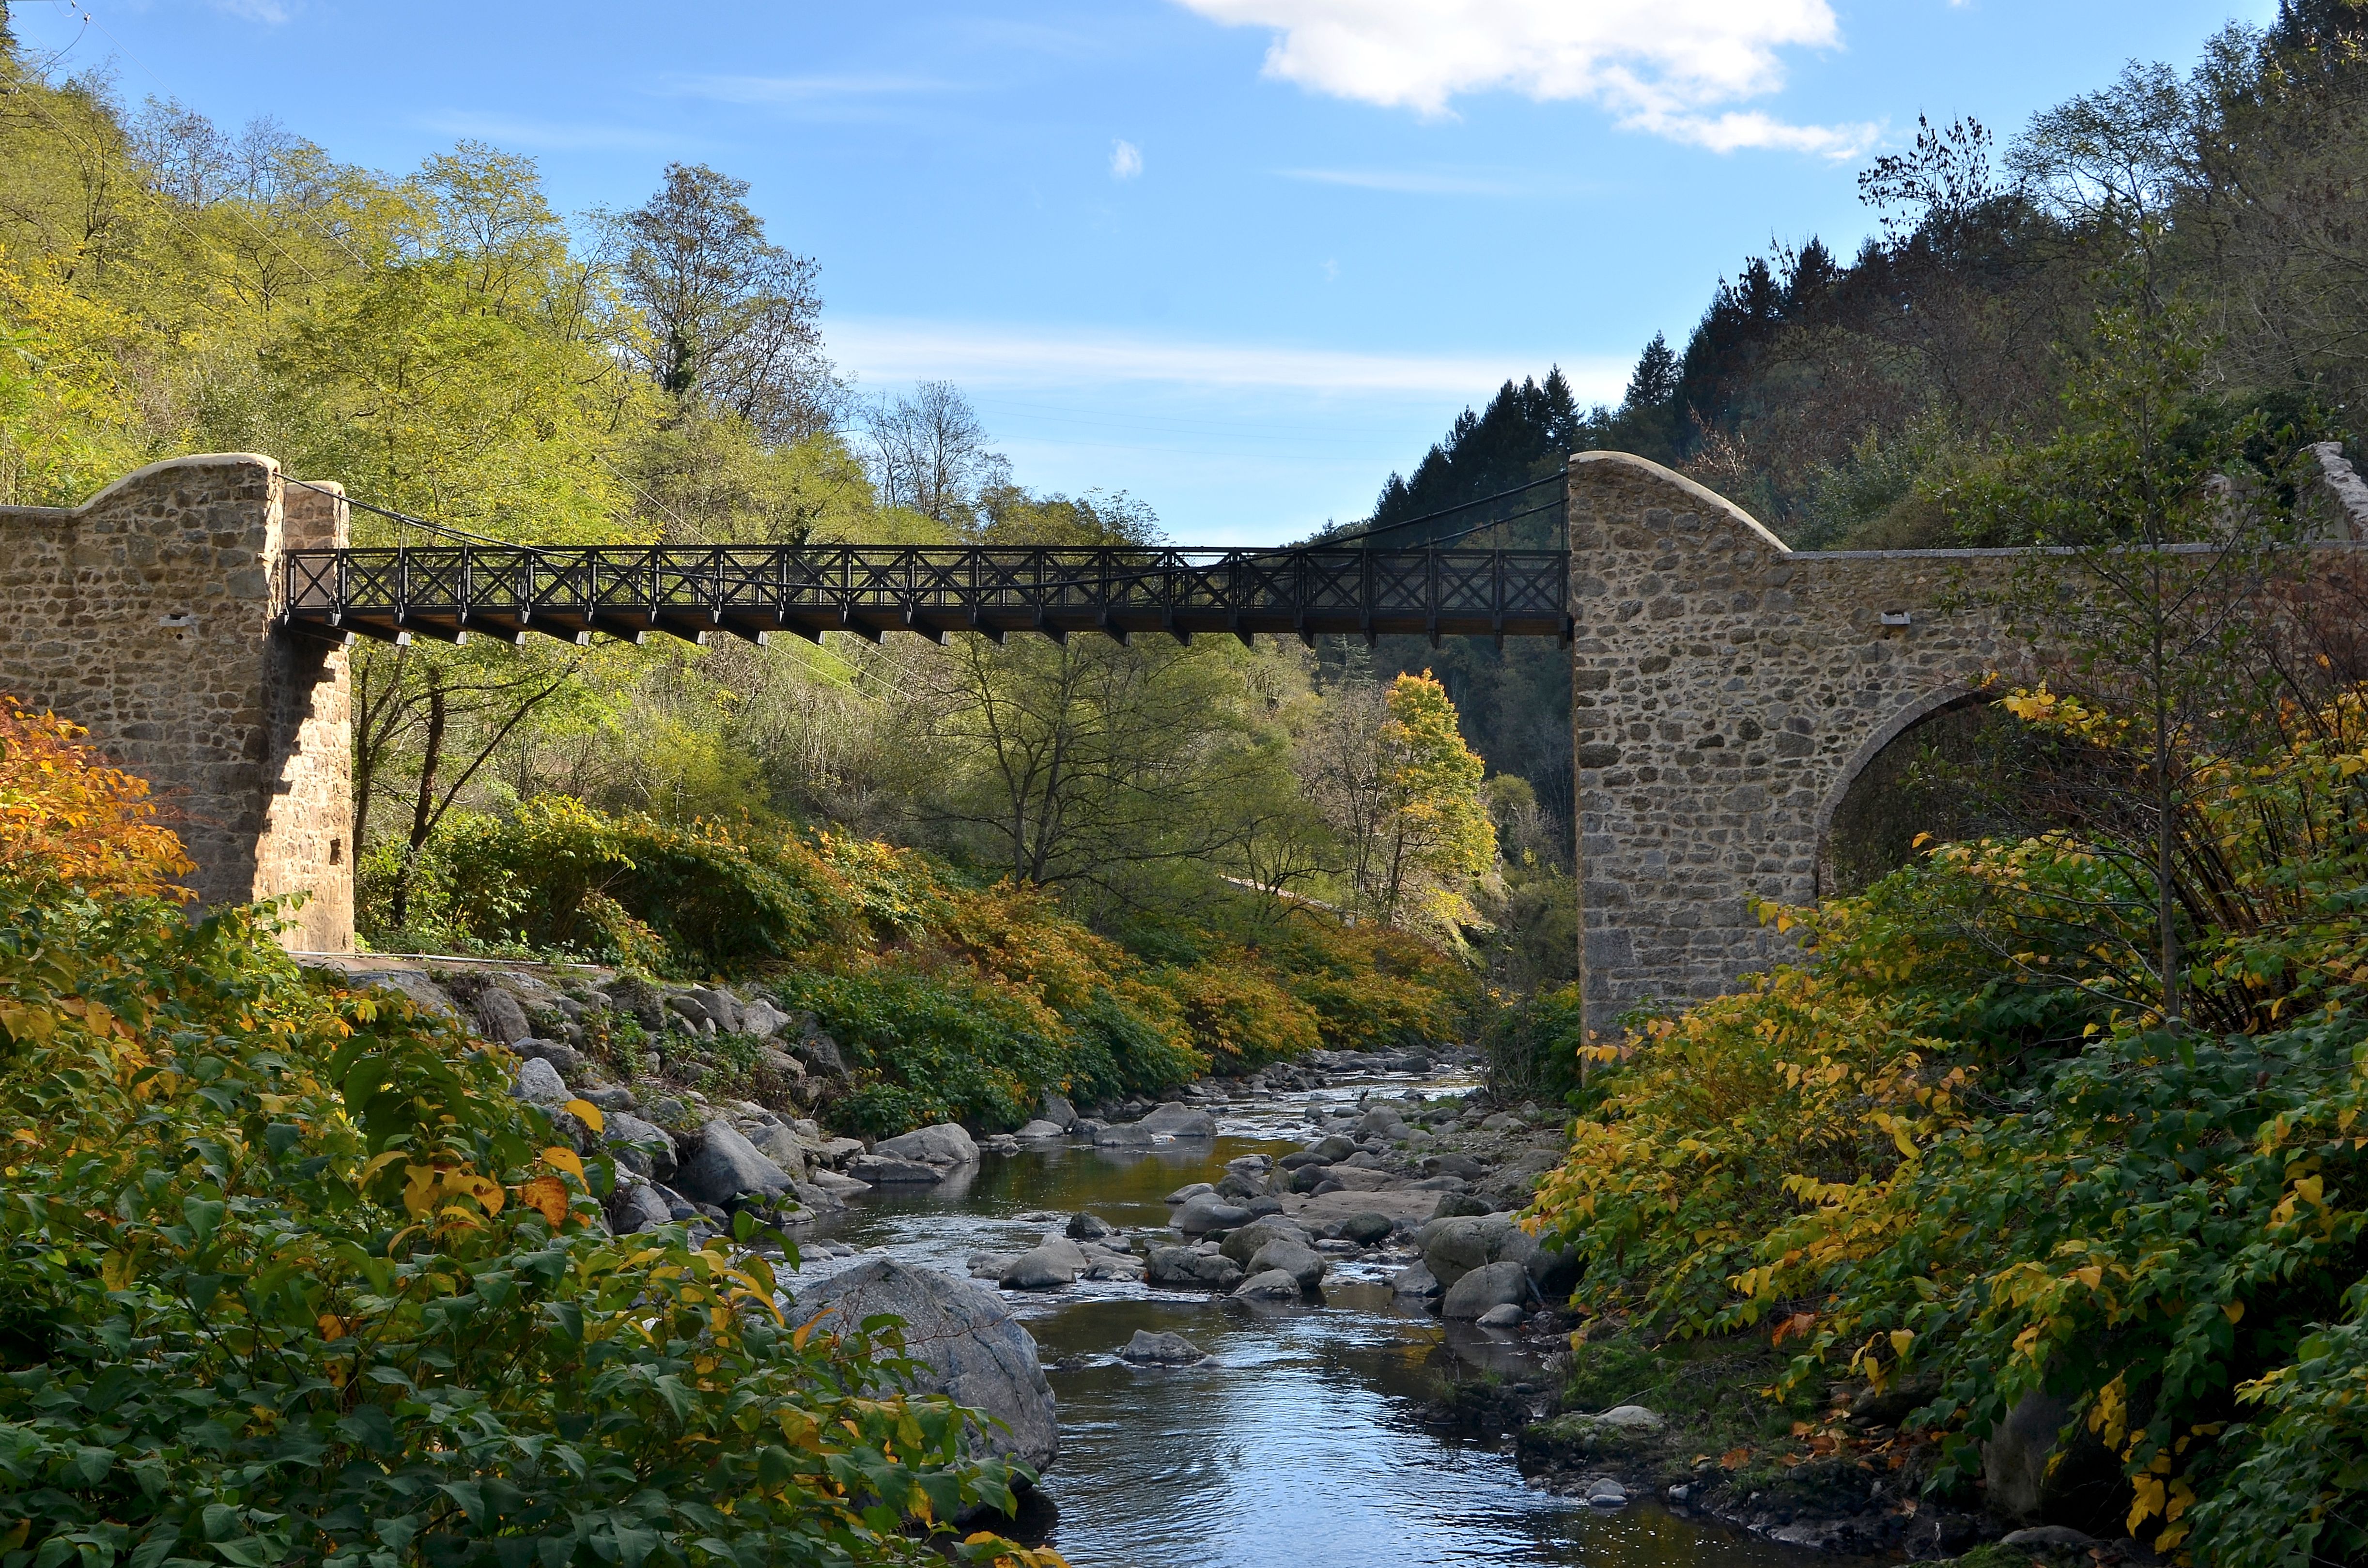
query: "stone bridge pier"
148, 615
1726, 692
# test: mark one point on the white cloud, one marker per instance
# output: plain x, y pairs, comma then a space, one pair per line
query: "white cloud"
1663, 66
890, 350
1126, 160
269, 12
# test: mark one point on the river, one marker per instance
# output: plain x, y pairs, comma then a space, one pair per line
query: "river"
1298, 1442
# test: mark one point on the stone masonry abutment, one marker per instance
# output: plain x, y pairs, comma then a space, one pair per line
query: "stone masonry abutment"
1726, 689
148, 615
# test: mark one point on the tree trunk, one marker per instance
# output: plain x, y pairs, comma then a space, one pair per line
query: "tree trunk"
423, 810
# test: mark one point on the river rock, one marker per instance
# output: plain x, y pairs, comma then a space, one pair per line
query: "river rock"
780, 1145
1336, 1147
727, 1169
500, 1018
1149, 1349
1507, 1315
1490, 1285
975, 1352
1121, 1135
539, 1082
821, 1052
1382, 1123
814, 1202
1415, 1281
1607, 1492
1274, 1285
1356, 1179
1302, 1262
416, 988
1556, 1272
570, 1061
1368, 1229
636, 1207
946, 1144
838, 1185
762, 1019
1037, 1131
1059, 1112
881, 1171
1462, 1166
1186, 1194
1243, 1244
1454, 1248
1047, 1267
1209, 1212
640, 1146
1179, 1121
1239, 1188
1192, 1269
1083, 1227
1301, 1158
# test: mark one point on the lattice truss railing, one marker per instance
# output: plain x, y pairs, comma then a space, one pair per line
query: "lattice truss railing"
451, 591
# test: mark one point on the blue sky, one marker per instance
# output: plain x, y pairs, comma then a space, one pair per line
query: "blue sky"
1239, 257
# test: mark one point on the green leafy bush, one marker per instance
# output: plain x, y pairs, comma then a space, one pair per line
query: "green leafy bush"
290, 1277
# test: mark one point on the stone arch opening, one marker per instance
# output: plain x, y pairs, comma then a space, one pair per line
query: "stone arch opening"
1914, 775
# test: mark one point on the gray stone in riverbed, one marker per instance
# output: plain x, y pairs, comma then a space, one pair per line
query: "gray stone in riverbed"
1367, 1229
1047, 1267
1505, 1316
1179, 1121
944, 1144
1209, 1212
1297, 1259
728, 1168
1274, 1285
880, 1171
1192, 1269
642, 1147
1186, 1194
1490, 1285
1085, 1227
1452, 1247
1040, 1130
974, 1350
1242, 1244
1149, 1349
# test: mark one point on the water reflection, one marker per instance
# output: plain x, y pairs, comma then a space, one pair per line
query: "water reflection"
1297, 1441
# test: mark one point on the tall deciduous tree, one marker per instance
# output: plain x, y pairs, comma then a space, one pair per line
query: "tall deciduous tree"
1391, 770
731, 316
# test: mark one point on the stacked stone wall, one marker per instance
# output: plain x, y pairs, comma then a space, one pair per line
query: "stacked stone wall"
147, 615
1726, 690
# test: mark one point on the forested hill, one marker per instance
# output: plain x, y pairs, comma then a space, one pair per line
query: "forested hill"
1840, 401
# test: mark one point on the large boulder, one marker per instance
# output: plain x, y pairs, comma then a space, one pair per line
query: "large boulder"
540, 1082
1367, 1229
1177, 1120
781, 1146
1302, 1263
946, 1144
1274, 1285
1490, 1285
1149, 1349
500, 1017
1048, 1267
1043, 1131
1209, 1212
421, 992
643, 1147
1242, 1244
974, 1350
635, 1206
728, 1169
879, 1170
1059, 1112
1454, 1246
1189, 1269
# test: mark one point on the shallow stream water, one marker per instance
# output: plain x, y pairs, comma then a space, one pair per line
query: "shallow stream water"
1297, 1442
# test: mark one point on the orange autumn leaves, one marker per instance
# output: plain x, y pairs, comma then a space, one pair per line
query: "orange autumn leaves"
67, 817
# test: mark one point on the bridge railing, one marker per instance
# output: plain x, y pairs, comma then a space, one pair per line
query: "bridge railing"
451, 590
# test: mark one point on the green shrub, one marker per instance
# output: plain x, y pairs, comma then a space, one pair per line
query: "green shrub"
291, 1277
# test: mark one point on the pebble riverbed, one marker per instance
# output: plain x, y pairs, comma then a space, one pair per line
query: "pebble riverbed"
1299, 1441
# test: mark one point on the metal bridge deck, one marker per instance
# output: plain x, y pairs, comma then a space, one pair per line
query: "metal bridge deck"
452, 591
